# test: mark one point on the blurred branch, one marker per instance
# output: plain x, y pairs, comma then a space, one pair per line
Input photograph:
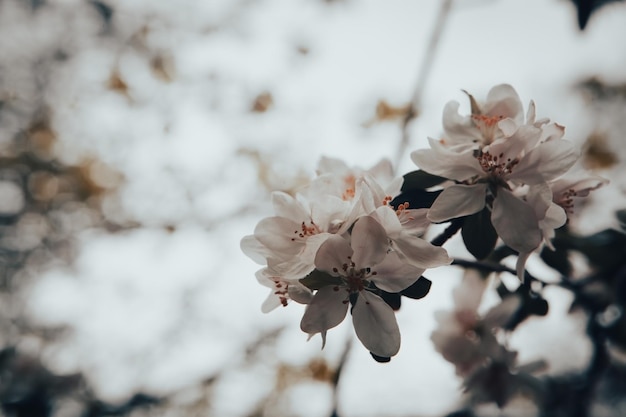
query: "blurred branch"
424, 71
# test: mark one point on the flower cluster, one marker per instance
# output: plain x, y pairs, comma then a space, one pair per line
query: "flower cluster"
339, 242
514, 167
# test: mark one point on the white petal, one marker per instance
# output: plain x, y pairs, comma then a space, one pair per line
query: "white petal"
516, 222
299, 293
394, 275
457, 201
388, 219
254, 249
333, 254
420, 253
500, 314
288, 207
271, 302
503, 100
280, 235
447, 163
545, 162
369, 242
375, 325
326, 310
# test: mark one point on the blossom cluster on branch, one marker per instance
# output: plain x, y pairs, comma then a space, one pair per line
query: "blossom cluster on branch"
352, 239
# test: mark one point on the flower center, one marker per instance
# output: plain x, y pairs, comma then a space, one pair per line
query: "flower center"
487, 125
354, 279
350, 189
495, 165
281, 290
306, 231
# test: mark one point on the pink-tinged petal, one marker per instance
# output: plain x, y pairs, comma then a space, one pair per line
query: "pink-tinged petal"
447, 163
582, 187
553, 131
516, 222
288, 207
459, 129
254, 249
280, 235
328, 165
375, 325
524, 138
508, 127
545, 162
458, 201
299, 293
333, 254
393, 274
531, 114
271, 303
326, 310
503, 100
369, 242
420, 253
388, 219
469, 294
415, 221
501, 314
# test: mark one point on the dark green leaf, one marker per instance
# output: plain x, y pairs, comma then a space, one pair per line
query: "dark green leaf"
557, 259
416, 198
621, 217
392, 299
381, 359
478, 234
318, 279
420, 180
419, 289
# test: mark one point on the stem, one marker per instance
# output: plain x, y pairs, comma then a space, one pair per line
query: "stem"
424, 71
455, 226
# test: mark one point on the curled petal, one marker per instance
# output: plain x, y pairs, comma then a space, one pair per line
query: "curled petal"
327, 309
254, 249
375, 325
516, 222
457, 201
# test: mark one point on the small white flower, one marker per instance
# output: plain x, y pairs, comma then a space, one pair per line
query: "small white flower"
482, 127
359, 263
491, 175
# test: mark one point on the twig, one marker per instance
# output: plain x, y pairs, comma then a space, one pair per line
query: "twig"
455, 226
427, 64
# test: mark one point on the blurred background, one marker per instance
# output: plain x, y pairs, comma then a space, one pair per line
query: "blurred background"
140, 141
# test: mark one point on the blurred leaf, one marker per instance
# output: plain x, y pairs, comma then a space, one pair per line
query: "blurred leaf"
585, 8
262, 102
380, 359
318, 279
420, 180
419, 289
162, 67
597, 153
478, 234
387, 112
621, 217
557, 259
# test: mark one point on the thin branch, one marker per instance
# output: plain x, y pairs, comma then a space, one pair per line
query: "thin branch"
425, 69
455, 226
